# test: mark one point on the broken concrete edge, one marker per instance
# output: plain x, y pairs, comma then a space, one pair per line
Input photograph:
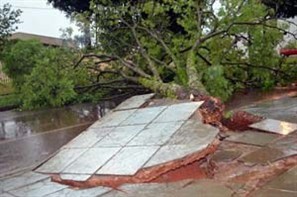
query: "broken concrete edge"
262, 174
145, 103
241, 120
145, 175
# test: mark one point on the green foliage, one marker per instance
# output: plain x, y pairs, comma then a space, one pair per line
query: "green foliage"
6, 88
8, 20
216, 83
45, 77
20, 58
190, 44
11, 100
49, 84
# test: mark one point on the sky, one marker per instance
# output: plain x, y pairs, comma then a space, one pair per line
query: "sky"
40, 18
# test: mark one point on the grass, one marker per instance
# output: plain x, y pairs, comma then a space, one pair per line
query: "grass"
8, 101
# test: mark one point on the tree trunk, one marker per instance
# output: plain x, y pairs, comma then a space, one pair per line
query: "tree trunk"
194, 79
172, 90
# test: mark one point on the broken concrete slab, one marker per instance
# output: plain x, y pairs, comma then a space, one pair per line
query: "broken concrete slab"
61, 160
128, 161
38, 189
144, 115
89, 138
75, 177
139, 136
20, 180
178, 112
113, 119
252, 137
193, 132
188, 188
91, 160
156, 134
135, 102
188, 140
275, 126
120, 136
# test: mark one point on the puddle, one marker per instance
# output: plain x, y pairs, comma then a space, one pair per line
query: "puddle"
14, 125
27, 138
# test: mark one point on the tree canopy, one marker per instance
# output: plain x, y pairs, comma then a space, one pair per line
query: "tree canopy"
283, 8
71, 6
8, 20
172, 45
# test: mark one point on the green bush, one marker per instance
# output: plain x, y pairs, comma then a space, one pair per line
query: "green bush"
10, 100
49, 84
20, 58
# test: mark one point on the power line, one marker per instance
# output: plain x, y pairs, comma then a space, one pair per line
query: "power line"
33, 8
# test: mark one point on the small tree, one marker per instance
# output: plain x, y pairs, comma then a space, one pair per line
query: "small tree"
20, 58
49, 84
8, 20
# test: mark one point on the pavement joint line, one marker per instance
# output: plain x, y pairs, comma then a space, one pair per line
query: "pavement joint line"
8, 191
122, 147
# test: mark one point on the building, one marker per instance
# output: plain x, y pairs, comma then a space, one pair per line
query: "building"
45, 40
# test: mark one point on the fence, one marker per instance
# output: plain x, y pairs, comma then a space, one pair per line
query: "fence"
4, 79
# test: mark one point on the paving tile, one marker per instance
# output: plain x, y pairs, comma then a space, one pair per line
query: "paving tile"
178, 112
92, 192
192, 137
61, 160
264, 155
120, 136
273, 193
189, 188
128, 161
91, 160
134, 102
286, 181
252, 137
226, 155
275, 126
156, 134
113, 119
38, 189
144, 115
21, 180
281, 148
194, 132
89, 138
75, 177
172, 152
6, 195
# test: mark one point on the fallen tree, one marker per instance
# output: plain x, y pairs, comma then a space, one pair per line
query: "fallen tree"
181, 47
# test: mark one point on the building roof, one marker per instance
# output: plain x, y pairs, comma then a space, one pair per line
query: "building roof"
46, 40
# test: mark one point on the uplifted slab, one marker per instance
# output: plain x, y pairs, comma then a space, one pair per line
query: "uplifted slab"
135, 102
275, 126
126, 141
